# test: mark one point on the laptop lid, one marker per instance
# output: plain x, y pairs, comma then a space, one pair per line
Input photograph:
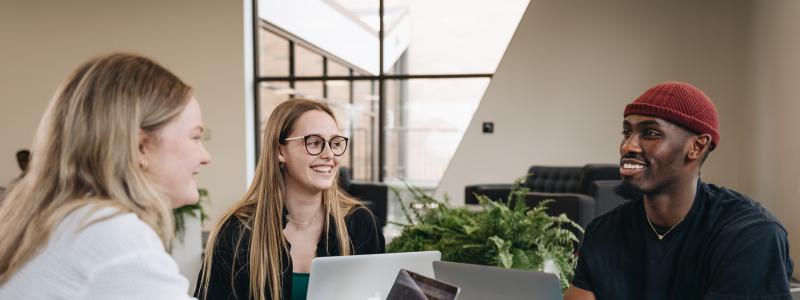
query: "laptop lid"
484, 282
364, 277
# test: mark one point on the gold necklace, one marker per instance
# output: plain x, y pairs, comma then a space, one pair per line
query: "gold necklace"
301, 224
661, 236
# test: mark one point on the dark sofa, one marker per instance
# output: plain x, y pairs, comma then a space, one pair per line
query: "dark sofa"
580, 192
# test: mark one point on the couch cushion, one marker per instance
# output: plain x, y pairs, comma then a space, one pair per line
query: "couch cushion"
595, 172
605, 195
493, 191
554, 179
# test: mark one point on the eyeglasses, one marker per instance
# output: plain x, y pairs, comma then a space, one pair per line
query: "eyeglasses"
315, 144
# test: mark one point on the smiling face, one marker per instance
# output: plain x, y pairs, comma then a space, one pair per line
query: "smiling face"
312, 173
175, 153
654, 154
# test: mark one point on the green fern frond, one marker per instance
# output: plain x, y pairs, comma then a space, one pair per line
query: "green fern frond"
505, 232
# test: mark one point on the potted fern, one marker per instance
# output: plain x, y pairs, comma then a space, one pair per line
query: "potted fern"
504, 233
187, 248
192, 211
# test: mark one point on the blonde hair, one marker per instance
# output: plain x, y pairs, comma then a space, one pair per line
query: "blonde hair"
261, 208
86, 152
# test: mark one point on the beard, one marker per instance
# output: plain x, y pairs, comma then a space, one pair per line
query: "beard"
629, 191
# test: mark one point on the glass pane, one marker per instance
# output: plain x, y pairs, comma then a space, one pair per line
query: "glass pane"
308, 89
342, 113
273, 54
362, 140
339, 100
270, 95
420, 139
347, 29
338, 91
478, 32
365, 106
306, 62
337, 69
365, 92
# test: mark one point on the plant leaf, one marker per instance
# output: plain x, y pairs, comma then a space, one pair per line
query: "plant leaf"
505, 232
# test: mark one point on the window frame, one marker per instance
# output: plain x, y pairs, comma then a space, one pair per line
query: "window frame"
378, 170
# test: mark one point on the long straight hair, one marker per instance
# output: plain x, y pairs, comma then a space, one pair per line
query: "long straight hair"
261, 208
86, 151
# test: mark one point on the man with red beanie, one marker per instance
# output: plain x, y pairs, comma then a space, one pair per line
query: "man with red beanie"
678, 237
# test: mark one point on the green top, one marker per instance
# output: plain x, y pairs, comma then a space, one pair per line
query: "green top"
299, 286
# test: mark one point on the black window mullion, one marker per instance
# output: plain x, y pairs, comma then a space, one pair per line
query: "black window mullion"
256, 72
353, 163
381, 99
325, 78
291, 65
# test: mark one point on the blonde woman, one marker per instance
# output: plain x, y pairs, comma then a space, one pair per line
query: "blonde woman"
293, 212
117, 148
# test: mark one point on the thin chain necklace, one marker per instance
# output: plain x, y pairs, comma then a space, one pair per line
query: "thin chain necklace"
301, 224
661, 236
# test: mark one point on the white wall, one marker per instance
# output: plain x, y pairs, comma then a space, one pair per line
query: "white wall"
559, 92
770, 151
201, 41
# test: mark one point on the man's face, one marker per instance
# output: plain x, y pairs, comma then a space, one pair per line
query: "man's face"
653, 154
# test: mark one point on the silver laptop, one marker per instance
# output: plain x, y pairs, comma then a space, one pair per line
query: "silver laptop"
364, 277
483, 282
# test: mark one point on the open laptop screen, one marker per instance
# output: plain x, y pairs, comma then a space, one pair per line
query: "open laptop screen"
364, 277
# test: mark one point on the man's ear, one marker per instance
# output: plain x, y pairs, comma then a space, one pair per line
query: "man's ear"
700, 145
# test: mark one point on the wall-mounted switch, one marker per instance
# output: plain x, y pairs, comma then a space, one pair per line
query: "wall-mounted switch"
488, 127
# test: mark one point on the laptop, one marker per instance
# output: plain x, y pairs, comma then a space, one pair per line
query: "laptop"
483, 282
364, 277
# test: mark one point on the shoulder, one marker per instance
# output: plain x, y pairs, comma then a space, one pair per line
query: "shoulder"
736, 222
359, 215
233, 234
736, 213
361, 221
364, 232
88, 241
99, 234
229, 267
232, 227
746, 242
121, 254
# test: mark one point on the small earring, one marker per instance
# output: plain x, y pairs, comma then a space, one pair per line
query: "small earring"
281, 164
143, 165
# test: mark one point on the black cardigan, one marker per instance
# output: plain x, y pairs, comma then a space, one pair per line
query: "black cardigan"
225, 283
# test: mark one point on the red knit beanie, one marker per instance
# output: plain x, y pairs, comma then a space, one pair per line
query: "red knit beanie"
680, 103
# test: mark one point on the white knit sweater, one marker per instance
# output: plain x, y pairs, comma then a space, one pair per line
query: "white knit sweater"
117, 258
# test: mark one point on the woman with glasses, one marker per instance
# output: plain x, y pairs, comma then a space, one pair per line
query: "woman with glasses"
293, 212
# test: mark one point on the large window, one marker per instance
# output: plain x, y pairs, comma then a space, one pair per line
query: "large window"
286, 66
404, 92
424, 124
